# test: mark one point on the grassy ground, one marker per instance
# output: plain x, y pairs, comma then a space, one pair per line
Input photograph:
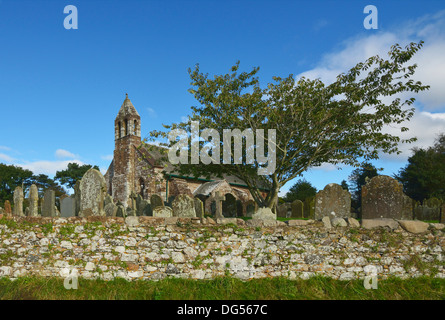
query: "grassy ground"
223, 289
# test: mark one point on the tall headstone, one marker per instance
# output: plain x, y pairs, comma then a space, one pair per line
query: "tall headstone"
183, 206
199, 208
33, 201
77, 196
383, 197
49, 204
218, 198
7, 208
93, 190
442, 213
284, 210
333, 201
156, 201
297, 209
250, 208
18, 202
68, 207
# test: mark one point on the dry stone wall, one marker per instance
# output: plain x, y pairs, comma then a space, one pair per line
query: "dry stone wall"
152, 248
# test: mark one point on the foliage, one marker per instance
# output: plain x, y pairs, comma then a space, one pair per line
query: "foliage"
339, 123
72, 174
301, 190
358, 179
11, 177
424, 175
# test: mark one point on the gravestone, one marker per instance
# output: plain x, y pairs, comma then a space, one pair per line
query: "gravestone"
49, 204
199, 208
18, 202
77, 197
33, 201
218, 198
183, 206
333, 201
120, 211
430, 210
7, 208
156, 201
309, 208
110, 209
264, 214
442, 214
250, 208
282, 210
297, 209
162, 212
93, 190
383, 197
68, 207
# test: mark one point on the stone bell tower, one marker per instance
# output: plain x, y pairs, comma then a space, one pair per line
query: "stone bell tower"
127, 137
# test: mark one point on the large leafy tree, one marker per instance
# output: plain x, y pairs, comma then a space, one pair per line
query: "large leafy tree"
11, 177
301, 190
315, 123
424, 175
72, 173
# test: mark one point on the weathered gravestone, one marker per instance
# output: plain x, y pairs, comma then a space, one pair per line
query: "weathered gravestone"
183, 206
18, 202
156, 201
333, 201
309, 208
442, 213
199, 208
7, 208
77, 197
250, 208
120, 211
218, 198
68, 207
264, 214
33, 201
297, 209
93, 191
284, 209
162, 212
429, 210
49, 204
383, 197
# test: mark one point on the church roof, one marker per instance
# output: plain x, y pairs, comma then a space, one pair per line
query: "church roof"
155, 157
127, 109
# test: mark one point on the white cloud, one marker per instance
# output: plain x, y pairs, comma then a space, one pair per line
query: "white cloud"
6, 158
63, 154
152, 112
5, 148
48, 167
429, 118
107, 157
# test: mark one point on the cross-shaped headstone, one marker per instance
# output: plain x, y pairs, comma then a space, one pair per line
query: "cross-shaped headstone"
218, 200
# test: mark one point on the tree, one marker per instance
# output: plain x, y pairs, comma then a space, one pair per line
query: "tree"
340, 123
11, 177
301, 190
72, 174
344, 185
358, 179
43, 182
424, 175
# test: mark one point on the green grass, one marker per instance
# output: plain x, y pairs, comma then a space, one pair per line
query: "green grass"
224, 288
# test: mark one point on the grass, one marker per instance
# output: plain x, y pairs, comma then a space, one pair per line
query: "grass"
224, 288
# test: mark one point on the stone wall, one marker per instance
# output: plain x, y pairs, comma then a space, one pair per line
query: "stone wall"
154, 248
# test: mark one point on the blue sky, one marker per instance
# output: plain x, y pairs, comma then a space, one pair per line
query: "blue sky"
61, 89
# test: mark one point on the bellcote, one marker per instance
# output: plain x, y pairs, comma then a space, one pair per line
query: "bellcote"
128, 121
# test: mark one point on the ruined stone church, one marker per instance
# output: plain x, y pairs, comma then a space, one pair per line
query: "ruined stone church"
138, 170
